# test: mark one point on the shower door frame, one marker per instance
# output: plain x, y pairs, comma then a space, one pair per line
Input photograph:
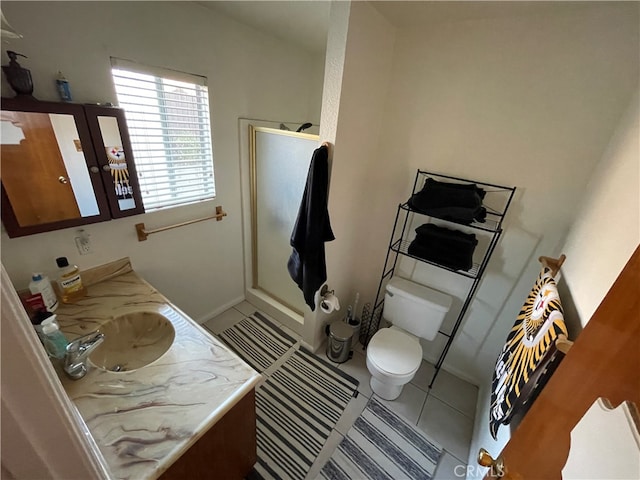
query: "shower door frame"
256, 295
254, 204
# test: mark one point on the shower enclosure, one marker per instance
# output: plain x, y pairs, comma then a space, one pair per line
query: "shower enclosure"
276, 166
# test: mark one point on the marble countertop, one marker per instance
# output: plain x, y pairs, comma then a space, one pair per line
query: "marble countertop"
143, 420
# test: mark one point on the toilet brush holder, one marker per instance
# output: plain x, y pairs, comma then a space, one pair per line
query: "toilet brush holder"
354, 323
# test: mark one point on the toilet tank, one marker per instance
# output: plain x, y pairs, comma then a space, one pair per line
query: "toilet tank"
415, 308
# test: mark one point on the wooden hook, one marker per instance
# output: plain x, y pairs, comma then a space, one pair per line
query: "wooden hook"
563, 343
553, 263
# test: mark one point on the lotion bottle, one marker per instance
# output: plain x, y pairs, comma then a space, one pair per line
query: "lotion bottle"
69, 281
41, 284
63, 88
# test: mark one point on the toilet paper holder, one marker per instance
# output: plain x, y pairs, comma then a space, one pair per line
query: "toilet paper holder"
324, 294
325, 290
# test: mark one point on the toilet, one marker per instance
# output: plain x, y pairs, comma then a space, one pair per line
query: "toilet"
394, 354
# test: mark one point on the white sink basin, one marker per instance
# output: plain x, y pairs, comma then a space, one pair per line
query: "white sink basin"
133, 341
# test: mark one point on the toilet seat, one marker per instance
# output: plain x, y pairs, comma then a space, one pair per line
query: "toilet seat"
395, 352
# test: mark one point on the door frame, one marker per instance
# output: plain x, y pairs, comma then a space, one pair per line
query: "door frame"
43, 434
258, 298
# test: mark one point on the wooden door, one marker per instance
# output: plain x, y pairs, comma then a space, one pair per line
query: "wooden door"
34, 174
603, 362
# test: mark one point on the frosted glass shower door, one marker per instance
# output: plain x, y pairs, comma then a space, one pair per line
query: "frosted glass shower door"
279, 164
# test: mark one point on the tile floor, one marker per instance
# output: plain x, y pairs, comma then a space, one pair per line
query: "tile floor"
445, 413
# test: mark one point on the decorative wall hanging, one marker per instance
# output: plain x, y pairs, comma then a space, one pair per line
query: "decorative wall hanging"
530, 346
119, 172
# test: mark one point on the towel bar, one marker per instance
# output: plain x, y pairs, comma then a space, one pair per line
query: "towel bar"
143, 234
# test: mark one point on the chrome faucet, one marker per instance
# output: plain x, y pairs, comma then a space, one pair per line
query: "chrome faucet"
75, 360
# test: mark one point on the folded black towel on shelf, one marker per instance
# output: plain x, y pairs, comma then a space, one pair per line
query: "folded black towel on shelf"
449, 248
456, 202
430, 231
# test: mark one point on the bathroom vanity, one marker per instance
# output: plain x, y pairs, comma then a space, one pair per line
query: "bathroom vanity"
174, 404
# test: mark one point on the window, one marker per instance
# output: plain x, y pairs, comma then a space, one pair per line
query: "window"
168, 118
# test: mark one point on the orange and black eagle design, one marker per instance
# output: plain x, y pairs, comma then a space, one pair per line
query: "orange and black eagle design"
538, 325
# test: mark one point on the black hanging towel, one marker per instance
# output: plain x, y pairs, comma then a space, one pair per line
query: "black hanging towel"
307, 265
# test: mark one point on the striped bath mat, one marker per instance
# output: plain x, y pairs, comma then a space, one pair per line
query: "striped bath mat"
258, 341
297, 407
380, 445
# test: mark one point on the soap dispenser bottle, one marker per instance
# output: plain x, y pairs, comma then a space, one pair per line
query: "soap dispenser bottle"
54, 340
40, 319
19, 78
69, 281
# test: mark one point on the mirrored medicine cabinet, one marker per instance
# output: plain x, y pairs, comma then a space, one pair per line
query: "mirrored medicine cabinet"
64, 165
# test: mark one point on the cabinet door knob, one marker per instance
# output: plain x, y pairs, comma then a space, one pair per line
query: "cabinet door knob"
94, 169
496, 466
106, 168
62, 179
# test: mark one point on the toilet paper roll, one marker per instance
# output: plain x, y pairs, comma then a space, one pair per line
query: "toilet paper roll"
329, 303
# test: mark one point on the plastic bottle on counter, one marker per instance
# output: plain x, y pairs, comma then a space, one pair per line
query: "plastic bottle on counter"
54, 340
69, 281
39, 320
41, 284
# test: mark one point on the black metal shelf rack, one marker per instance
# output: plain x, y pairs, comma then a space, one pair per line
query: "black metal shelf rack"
496, 202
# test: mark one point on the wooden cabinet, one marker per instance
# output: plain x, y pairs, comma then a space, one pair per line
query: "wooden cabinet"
228, 450
64, 165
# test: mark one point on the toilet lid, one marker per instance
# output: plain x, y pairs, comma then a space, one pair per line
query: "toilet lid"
394, 352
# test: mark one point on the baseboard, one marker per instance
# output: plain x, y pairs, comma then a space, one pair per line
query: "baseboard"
454, 371
462, 375
214, 313
309, 347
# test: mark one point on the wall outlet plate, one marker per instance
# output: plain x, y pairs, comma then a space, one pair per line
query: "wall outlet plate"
84, 245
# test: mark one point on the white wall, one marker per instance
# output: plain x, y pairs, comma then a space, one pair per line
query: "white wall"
607, 227
511, 101
530, 101
316, 86
357, 75
599, 244
199, 267
603, 234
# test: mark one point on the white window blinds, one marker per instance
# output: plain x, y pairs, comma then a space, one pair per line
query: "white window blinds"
168, 118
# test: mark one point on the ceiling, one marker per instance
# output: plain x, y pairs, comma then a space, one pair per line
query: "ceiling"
410, 14
306, 22
302, 22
